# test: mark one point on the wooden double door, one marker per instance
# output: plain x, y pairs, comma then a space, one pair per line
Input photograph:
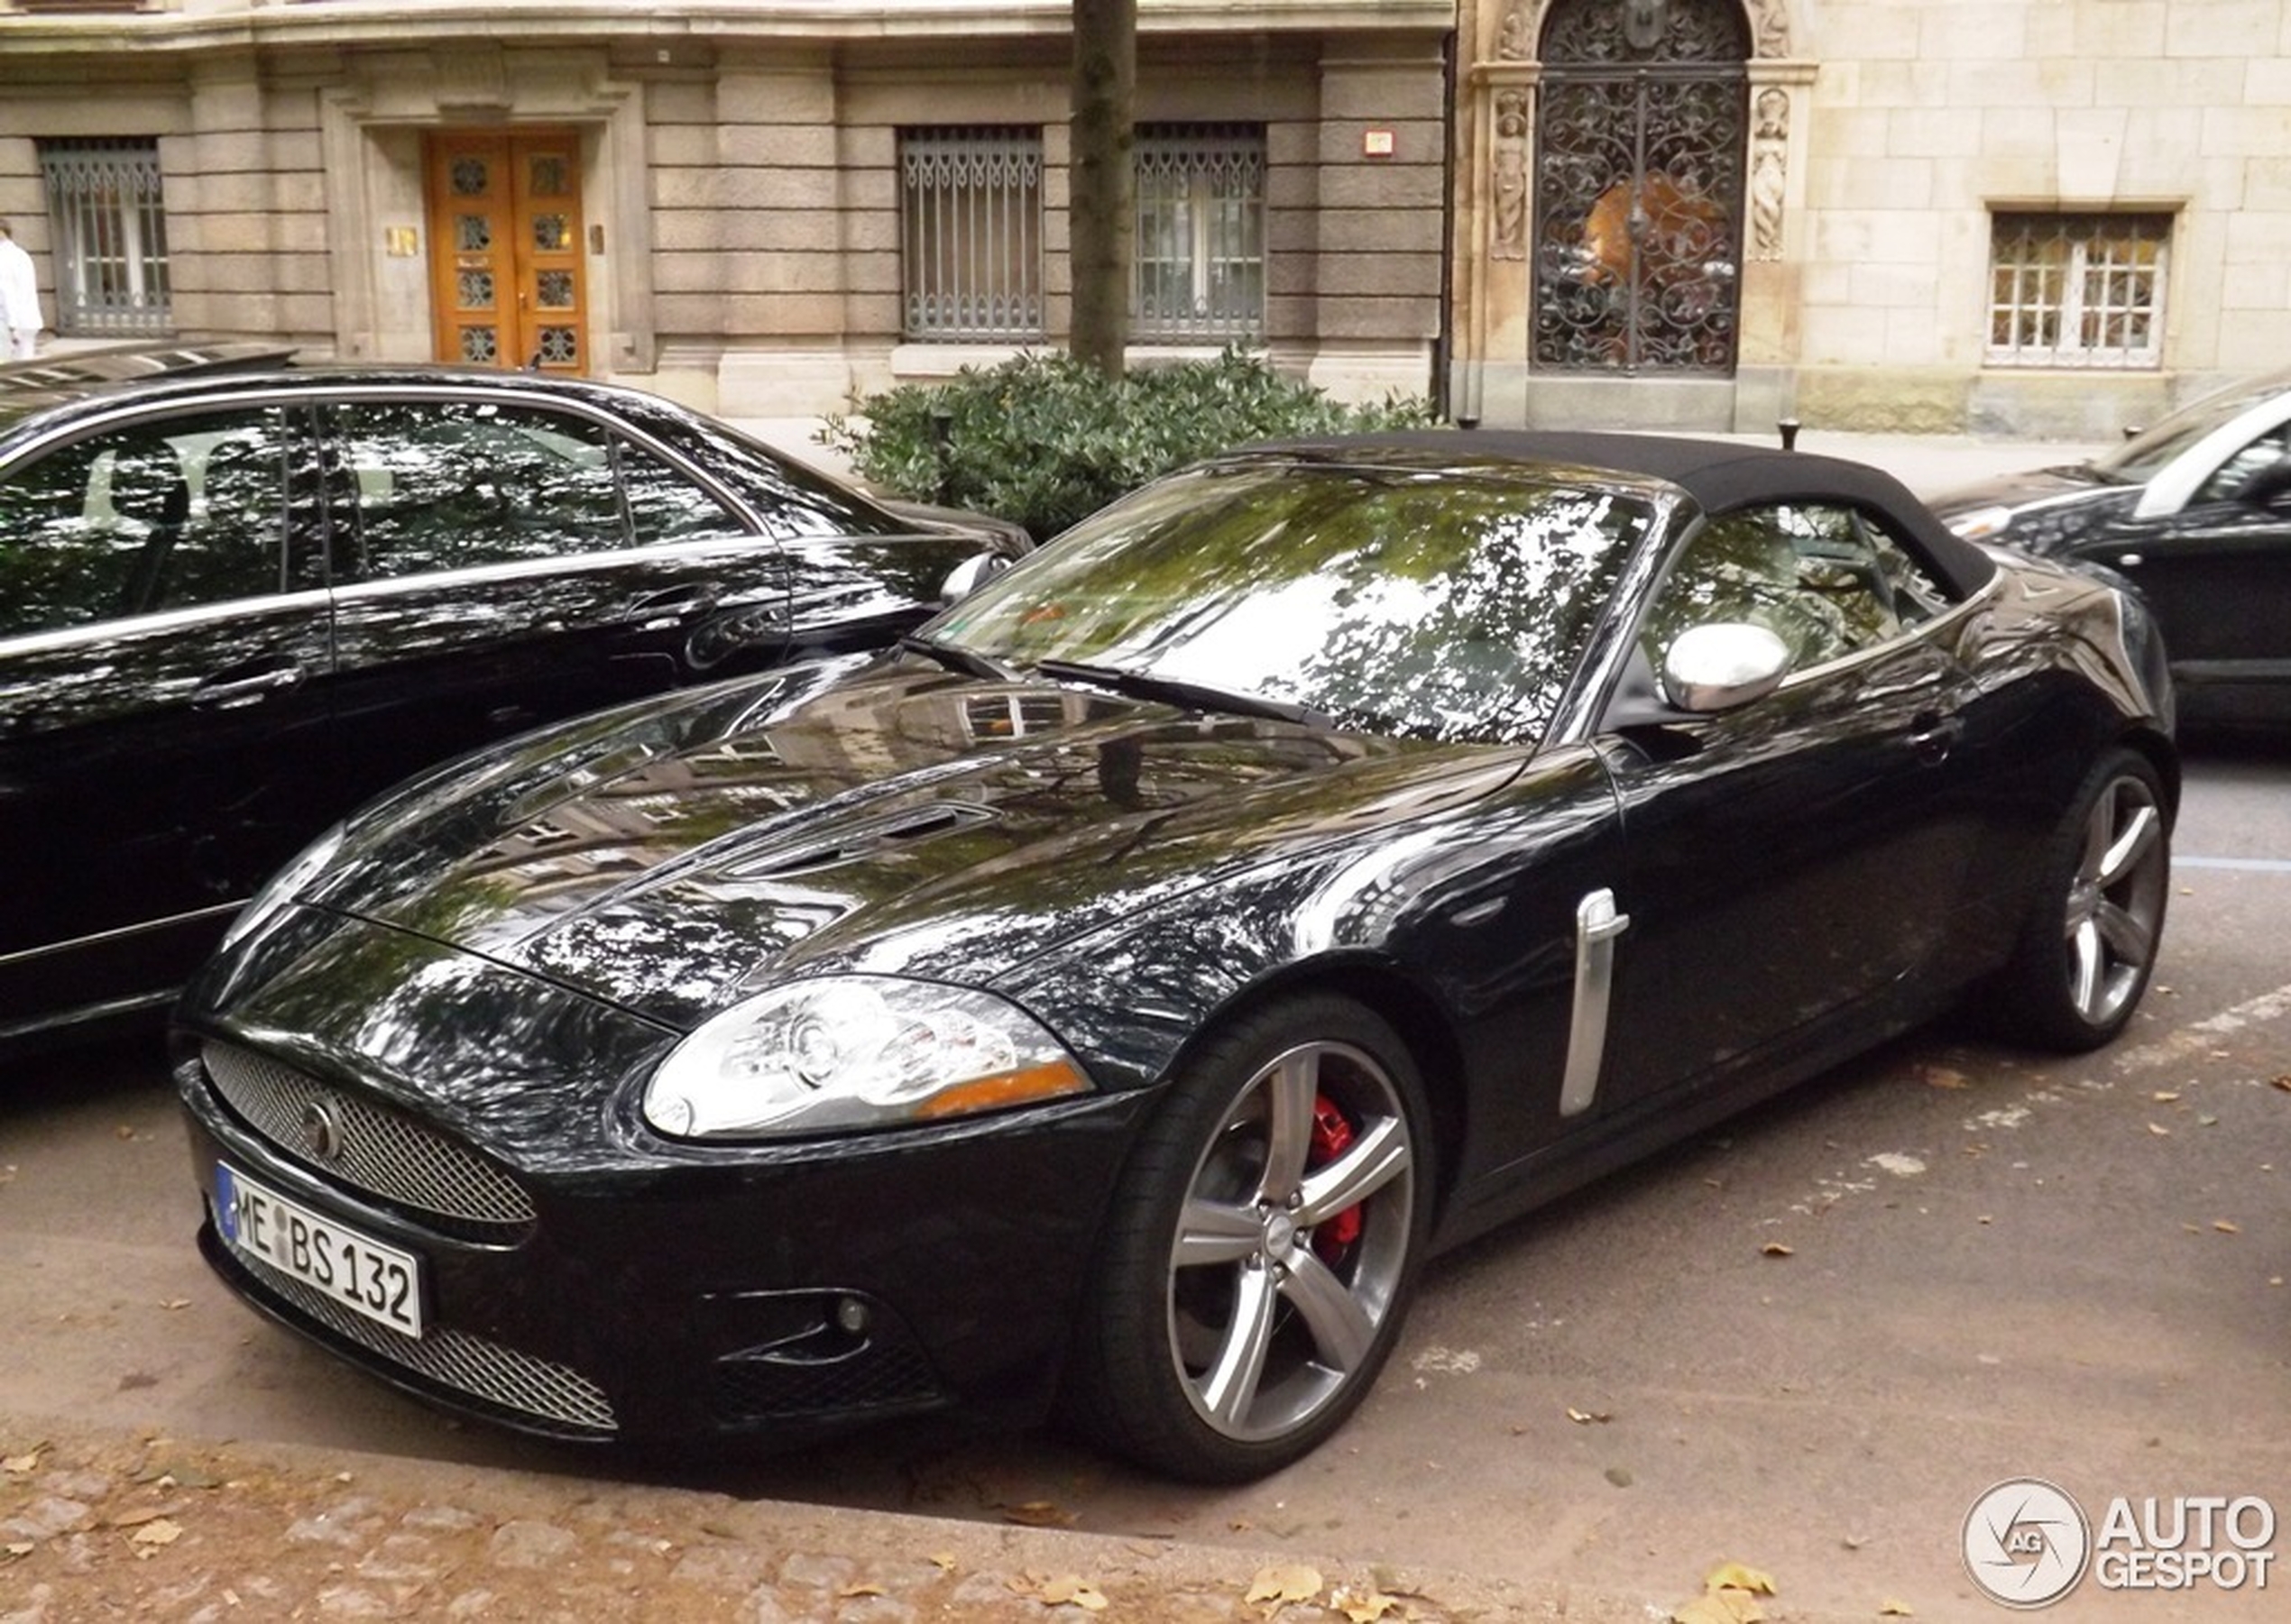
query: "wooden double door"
505, 234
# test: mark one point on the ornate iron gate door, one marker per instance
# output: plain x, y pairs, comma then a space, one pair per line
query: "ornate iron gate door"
1639, 185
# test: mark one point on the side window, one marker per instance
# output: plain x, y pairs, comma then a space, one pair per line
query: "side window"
1828, 579
2233, 477
162, 515
437, 485
666, 506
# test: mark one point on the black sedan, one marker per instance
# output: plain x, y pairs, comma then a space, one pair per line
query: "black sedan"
1312, 860
235, 600
2196, 512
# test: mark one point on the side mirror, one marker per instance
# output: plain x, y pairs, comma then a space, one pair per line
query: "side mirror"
970, 576
1723, 666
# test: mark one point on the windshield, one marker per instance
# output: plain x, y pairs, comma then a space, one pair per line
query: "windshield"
2143, 456
1434, 604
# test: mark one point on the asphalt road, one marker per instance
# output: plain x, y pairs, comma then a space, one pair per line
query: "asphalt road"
1807, 1343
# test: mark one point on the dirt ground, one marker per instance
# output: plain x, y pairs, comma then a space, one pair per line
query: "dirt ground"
96, 1527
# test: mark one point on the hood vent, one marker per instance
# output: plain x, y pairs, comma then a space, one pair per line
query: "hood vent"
861, 838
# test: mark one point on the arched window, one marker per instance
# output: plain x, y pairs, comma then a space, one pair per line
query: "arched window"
1639, 143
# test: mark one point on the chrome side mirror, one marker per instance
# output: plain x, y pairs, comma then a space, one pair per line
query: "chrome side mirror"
1723, 666
970, 576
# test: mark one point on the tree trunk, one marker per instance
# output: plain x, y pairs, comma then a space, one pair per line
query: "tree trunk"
1103, 209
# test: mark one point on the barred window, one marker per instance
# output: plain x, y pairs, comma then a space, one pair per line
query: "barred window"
1200, 233
2077, 290
112, 272
970, 233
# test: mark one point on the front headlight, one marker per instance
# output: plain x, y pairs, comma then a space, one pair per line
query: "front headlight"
1981, 523
855, 1051
285, 884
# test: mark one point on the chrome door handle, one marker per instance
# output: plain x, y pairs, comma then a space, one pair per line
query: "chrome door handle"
246, 690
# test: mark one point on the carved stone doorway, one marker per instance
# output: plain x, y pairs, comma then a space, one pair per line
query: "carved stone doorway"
1640, 145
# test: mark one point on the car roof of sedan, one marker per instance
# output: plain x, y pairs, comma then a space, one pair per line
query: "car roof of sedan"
72, 386
1719, 475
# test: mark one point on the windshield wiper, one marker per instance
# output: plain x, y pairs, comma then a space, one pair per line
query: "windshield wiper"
969, 662
1176, 691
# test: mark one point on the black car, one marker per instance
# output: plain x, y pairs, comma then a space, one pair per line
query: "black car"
235, 601
2196, 512
1309, 862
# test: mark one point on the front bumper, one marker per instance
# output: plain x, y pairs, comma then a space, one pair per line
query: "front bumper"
677, 1296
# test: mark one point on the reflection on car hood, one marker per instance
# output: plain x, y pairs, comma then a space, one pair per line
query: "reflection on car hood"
901, 820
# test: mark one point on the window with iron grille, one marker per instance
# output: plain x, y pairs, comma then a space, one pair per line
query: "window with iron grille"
970, 233
1200, 233
110, 237
2077, 290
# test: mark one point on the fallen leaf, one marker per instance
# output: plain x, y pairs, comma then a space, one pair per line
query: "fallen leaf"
2227, 1226
2164, 1097
159, 1531
851, 1592
1584, 1417
22, 1547
2284, 1082
1298, 1584
25, 1463
131, 1519
1733, 1575
1720, 1607
1775, 1248
1068, 1590
1941, 1077
2160, 1131
1891, 1608
1037, 1514
944, 1561
1364, 1609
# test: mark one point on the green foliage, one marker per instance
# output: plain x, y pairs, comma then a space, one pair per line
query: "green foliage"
1044, 440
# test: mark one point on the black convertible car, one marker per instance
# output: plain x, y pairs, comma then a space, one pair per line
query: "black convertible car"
1313, 859
236, 598
2196, 513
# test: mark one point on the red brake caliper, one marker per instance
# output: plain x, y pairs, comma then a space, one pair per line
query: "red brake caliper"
1332, 1136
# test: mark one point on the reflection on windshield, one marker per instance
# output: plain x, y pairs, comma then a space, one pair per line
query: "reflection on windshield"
1432, 604
2141, 458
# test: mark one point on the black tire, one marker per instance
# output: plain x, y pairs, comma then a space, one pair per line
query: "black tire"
1300, 1241
2089, 946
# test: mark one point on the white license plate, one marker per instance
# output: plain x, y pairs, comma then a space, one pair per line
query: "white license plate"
366, 1276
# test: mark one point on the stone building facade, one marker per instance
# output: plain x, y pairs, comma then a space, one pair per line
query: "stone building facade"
2036, 216
761, 206
2032, 216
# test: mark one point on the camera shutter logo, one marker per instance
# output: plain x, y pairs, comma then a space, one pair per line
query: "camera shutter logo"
2027, 1543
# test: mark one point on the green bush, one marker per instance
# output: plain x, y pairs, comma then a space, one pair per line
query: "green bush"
1044, 439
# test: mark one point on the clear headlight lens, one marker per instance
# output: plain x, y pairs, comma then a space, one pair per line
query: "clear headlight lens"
283, 885
855, 1051
1981, 523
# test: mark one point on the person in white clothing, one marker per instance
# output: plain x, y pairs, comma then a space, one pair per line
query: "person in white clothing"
19, 297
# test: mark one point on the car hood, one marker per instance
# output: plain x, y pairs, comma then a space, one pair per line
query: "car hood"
889, 819
2032, 487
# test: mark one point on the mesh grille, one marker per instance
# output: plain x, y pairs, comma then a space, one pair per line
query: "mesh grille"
456, 1358
747, 1390
382, 1153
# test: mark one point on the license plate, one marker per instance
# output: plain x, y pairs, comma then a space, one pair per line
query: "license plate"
366, 1276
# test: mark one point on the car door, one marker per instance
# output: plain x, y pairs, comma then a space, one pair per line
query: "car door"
502, 562
1795, 865
164, 641
2214, 571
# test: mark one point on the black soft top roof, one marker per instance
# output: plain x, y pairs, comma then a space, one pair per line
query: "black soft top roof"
1719, 475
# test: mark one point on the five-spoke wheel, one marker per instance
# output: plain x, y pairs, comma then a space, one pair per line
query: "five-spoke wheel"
1264, 1244
2089, 952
